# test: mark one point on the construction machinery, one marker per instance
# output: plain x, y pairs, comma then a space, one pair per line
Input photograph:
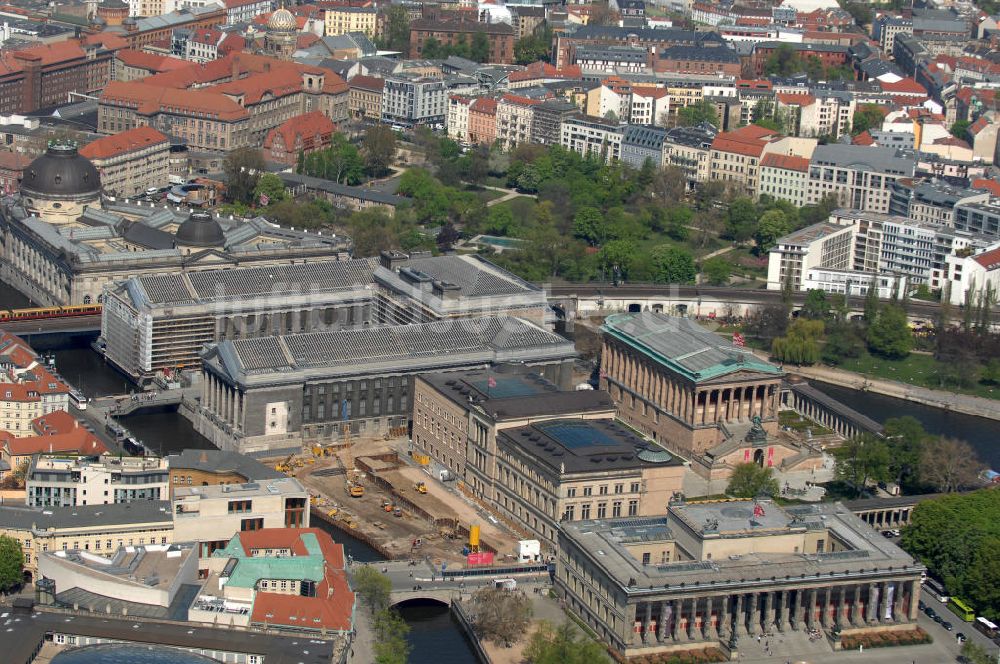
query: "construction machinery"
284, 466
387, 505
420, 487
474, 538
397, 512
356, 490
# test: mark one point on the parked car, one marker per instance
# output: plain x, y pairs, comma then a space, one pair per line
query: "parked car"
938, 619
930, 612
922, 605
960, 637
947, 625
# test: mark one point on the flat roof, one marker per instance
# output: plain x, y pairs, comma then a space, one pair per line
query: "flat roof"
41, 519
867, 554
817, 231
222, 461
516, 392
273, 487
577, 445
398, 348
683, 345
24, 635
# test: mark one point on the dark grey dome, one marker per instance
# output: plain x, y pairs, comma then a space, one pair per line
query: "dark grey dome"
200, 230
61, 173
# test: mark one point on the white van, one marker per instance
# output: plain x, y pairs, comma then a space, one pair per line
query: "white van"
506, 584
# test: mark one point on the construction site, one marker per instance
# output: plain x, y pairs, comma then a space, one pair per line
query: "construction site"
380, 494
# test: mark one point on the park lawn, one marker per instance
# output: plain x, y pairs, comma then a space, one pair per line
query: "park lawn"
486, 195
746, 263
523, 209
916, 369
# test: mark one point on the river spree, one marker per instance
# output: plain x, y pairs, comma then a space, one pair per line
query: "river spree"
983, 434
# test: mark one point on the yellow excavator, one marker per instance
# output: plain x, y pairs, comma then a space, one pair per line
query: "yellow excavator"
420, 487
285, 465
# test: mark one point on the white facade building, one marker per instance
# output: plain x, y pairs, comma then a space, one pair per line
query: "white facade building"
70, 481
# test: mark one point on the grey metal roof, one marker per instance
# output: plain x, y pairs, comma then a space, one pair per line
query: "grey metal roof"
700, 53
86, 516
643, 136
615, 53
684, 345
271, 280
862, 157
221, 461
293, 358
329, 186
475, 277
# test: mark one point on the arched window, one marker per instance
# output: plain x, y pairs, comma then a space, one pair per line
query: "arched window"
87, 299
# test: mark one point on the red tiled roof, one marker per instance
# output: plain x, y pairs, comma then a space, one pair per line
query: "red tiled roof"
17, 350
484, 105
121, 143
792, 99
748, 141
56, 422
951, 140
522, 101
864, 138
13, 161
149, 61
151, 99
981, 123
655, 93
77, 441
785, 161
546, 70
984, 184
307, 124
904, 86
989, 259
372, 83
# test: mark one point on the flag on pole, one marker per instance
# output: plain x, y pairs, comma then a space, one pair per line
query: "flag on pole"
491, 381
758, 509
264, 199
738, 340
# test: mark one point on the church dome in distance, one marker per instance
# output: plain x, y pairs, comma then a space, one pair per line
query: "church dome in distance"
282, 20
200, 230
61, 173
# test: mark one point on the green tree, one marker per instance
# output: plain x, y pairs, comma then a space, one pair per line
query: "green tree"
673, 265
479, 49
871, 305
396, 33
242, 168
500, 221
869, 116
534, 47
702, 111
906, 438
11, 564
816, 306
860, 12
861, 460
842, 342
800, 345
716, 271
270, 188
341, 162
783, 61
976, 654
373, 587
991, 372
589, 225
889, 336
617, 257
378, 148
390, 644
562, 645
960, 128
741, 219
750, 481
772, 225
432, 49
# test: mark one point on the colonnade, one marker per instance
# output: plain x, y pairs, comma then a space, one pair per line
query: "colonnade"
223, 401
686, 401
720, 617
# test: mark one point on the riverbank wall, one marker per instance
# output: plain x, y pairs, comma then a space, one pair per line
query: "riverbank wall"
356, 534
466, 626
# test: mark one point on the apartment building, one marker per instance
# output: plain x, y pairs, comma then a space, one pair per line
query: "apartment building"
341, 20
242, 11
860, 177
825, 244
57, 481
457, 121
300, 135
736, 155
132, 161
785, 177
546, 126
515, 118
409, 100
55, 433
640, 144
365, 97
483, 121
690, 150
454, 31
587, 135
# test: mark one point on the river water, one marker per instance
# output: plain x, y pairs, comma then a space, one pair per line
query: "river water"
981, 433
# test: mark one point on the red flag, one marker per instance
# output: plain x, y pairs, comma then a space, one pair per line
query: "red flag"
738, 340
758, 509
491, 381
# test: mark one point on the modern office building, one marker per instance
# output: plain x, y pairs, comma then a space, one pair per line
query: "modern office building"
704, 573
590, 136
271, 393
860, 177
823, 244
211, 514
708, 401
56, 481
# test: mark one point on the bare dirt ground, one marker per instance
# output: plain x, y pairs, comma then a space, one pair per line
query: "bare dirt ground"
396, 535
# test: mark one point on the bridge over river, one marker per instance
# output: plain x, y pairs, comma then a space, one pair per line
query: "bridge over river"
422, 580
